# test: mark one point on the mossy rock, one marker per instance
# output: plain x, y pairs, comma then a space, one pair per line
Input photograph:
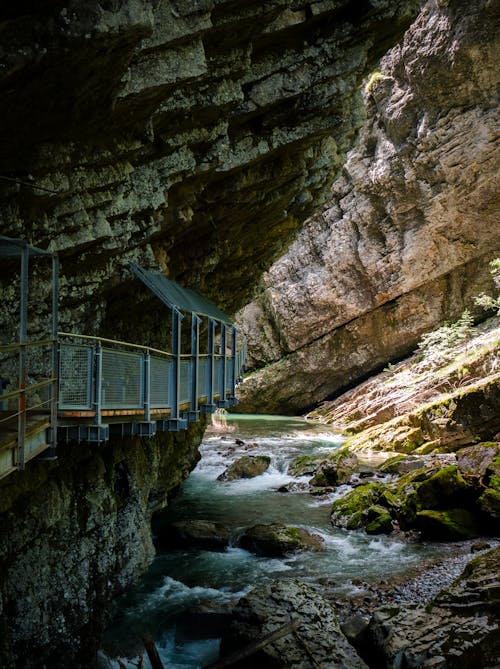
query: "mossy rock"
378, 520
447, 525
492, 474
489, 504
246, 467
401, 464
276, 540
477, 459
332, 470
444, 489
430, 489
388, 500
348, 512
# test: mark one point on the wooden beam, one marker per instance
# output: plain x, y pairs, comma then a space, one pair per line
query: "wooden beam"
255, 646
152, 652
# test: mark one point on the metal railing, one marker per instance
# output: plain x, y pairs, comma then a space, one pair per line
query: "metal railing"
27, 396
97, 377
92, 378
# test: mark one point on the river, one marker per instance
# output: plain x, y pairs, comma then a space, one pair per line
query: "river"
178, 580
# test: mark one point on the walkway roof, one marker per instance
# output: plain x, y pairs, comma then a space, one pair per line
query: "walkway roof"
174, 295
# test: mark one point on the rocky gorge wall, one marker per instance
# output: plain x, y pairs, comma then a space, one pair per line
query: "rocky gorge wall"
193, 137
405, 241
74, 534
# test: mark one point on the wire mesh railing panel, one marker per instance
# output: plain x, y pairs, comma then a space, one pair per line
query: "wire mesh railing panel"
75, 376
159, 382
184, 385
122, 380
203, 375
216, 379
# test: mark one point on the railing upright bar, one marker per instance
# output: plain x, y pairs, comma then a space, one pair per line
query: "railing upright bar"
55, 356
211, 358
232, 372
176, 366
195, 360
222, 377
147, 386
23, 373
98, 383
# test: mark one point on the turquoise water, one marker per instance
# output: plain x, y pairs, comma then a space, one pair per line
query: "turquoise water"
178, 580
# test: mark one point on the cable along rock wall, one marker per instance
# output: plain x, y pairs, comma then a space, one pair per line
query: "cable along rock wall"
405, 241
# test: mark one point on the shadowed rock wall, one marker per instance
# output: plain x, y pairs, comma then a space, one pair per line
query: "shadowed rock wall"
190, 136
405, 241
75, 533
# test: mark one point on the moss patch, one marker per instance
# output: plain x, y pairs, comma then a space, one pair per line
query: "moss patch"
447, 525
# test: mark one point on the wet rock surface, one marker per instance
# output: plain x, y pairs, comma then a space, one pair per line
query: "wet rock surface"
458, 628
317, 641
199, 533
445, 497
246, 467
74, 534
279, 540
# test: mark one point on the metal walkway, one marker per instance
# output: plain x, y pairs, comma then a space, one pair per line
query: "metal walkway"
98, 388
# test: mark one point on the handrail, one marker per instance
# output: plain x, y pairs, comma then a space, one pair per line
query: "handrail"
115, 341
26, 344
28, 389
130, 345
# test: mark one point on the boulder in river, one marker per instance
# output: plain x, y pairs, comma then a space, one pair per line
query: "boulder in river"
447, 525
378, 520
276, 540
335, 469
197, 534
246, 467
317, 641
350, 511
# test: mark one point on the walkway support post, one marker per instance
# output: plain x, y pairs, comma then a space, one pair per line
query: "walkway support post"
23, 373
54, 388
222, 376
232, 372
98, 383
175, 418
147, 386
195, 363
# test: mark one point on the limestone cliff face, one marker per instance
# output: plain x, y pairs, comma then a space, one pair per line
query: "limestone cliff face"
405, 241
190, 136
75, 533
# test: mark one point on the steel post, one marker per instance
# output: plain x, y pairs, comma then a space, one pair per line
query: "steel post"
195, 360
23, 372
211, 359
147, 386
54, 390
98, 383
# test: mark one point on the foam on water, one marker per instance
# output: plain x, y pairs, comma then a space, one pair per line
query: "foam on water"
183, 578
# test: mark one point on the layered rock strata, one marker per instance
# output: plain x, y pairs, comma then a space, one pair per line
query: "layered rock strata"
405, 241
76, 532
190, 136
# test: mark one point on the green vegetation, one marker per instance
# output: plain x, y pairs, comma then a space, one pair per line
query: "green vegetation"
437, 347
486, 301
373, 79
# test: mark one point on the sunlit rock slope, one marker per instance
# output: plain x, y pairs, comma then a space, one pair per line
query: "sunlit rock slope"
405, 241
